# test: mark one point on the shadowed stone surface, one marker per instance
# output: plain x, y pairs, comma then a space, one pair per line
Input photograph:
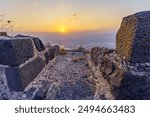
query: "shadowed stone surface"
134, 87
133, 37
15, 51
30, 70
19, 77
53, 51
38, 44
13, 79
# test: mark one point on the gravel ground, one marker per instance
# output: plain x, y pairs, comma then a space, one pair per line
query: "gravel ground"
68, 77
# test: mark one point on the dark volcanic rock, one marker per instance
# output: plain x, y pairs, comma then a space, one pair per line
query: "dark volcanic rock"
23, 60
126, 80
133, 37
42, 91
13, 79
19, 77
53, 51
47, 57
30, 70
15, 52
38, 44
30, 92
134, 87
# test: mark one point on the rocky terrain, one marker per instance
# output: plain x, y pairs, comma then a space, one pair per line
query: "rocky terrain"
126, 69
29, 70
120, 79
65, 77
70, 78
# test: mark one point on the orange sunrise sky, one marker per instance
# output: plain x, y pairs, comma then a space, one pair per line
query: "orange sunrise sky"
69, 15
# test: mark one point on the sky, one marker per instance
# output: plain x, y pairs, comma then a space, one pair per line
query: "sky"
69, 15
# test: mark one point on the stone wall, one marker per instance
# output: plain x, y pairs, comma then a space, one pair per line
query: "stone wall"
107, 68
117, 78
22, 58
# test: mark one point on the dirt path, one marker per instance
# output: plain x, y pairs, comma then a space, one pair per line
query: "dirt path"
70, 78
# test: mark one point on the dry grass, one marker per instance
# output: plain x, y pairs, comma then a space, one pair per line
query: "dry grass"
76, 59
62, 51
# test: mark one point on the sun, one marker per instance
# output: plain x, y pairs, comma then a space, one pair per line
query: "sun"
62, 29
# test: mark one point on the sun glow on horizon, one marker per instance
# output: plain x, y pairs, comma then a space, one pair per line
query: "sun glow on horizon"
67, 16
62, 29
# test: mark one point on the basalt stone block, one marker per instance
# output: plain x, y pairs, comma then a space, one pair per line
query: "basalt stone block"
53, 51
29, 71
133, 37
38, 44
18, 78
13, 79
56, 47
15, 51
134, 87
50, 53
47, 57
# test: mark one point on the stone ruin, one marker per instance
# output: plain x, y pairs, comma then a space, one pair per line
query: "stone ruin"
22, 58
133, 37
124, 73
